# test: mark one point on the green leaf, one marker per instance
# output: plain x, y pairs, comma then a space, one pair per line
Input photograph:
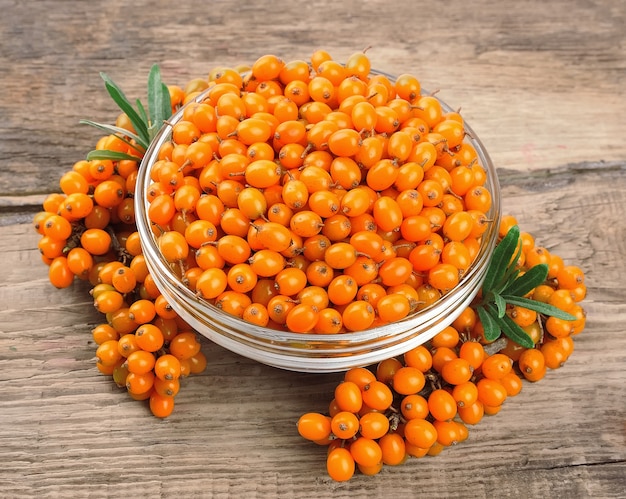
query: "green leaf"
500, 259
539, 307
123, 103
142, 111
500, 305
110, 155
527, 282
122, 133
512, 271
159, 103
490, 326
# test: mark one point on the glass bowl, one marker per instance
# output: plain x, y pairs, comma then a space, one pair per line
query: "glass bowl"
310, 352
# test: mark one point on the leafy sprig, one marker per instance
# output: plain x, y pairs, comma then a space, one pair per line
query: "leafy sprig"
146, 123
505, 285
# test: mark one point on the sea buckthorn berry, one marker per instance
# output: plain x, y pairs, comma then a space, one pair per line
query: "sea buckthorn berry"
340, 464
465, 321
473, 352
365, 451
306, 223
386, 369
167, 367
531, 362
471, 414
554, 355
387, 213
329, 321
408, 380
559, 328
107, 353
166, 388
96, 241
340, 255
448, 337
420, 432
140, 361
414, 406
377, 395
458, 226
358, 316
512, 384
457, 371
198, 363
373, 425
302, 318
342, 290
407, 87
465, 394
491, 392
443, 276
57, 227
104, 332
536, 375
393, 307
161, 406
570, 277
395, 271
80, 262
173, 246
108, 301
393, 449
348, 396
124, 279
344, 425
419, 357
361, 376
496, 366
441, 405
149, 337
233, 303
184, 345
290, 281
140, 384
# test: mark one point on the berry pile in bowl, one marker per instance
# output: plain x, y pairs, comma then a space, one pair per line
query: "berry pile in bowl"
317, 216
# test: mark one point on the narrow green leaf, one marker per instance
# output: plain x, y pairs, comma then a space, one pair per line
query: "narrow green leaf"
512, 330
500, 259
511, 271
527, 282
500, 305
122, 133
510, 278
142, 111
123, 103
110, 155
159, 103
539, 307
490, 326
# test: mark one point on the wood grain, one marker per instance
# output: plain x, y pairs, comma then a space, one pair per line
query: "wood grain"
542, 86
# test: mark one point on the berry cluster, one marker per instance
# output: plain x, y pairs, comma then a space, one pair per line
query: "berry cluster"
88, 233
425, 401
314, 196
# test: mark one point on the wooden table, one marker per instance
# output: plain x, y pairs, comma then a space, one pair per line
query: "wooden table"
541, 83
